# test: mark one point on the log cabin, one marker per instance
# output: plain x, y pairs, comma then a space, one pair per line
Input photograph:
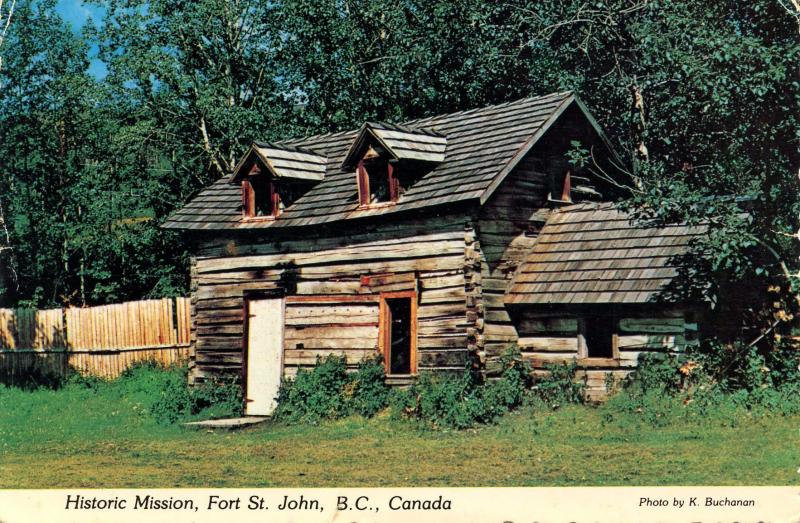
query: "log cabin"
438, 243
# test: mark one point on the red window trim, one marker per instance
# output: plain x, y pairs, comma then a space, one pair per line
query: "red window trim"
249, 201
566, 190
393, 182
362, 179
363, 184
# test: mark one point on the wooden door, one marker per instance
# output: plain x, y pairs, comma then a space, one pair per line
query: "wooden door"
264, 358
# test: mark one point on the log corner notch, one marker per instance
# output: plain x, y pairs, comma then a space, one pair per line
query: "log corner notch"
473, 290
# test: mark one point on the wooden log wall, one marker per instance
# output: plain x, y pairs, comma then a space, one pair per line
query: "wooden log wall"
508, 224
333, 281
553, 337
507, 230
101, 341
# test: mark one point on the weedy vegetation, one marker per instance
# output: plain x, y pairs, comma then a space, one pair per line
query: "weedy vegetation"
670, 423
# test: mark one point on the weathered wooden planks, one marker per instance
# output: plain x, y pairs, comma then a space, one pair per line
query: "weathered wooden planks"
547, 338
332, 281
503, 229
595, 253
147, 323
31, 329
102, 340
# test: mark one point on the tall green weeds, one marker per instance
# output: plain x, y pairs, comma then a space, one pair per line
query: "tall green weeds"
145, 391
328, 391
460, 401
667, 389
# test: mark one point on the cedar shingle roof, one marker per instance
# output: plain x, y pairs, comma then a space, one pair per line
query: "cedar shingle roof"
483, 145
286, 162
403, 143
594, 253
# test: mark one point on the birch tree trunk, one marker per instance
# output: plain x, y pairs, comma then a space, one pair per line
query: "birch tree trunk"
7, 272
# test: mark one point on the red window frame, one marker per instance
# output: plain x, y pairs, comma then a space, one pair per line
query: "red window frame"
566, 189
249, 201
362, 179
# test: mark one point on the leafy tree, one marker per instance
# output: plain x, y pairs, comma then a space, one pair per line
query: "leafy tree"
7, 271
82, 199
705, 101
702, 100
201, 76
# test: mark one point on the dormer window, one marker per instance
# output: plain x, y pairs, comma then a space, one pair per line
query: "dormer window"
377, 181
260, 199
387, 158
272, 177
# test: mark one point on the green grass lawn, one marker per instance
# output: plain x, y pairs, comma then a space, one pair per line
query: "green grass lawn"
81, 438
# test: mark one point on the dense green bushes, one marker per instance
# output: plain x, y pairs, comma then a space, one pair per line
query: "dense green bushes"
664, 389
175, 401
460, 401
328, 391
165, 393
560, 386
668, 389
736, 366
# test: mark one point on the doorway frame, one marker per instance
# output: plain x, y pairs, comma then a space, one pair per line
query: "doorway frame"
247, 296
385, 331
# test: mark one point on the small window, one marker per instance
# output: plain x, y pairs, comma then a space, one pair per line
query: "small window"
263, 197
398, 332
288, 193
377, 182
259, 199
598, 336
561, 187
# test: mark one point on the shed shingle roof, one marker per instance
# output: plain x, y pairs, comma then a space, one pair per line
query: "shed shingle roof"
593, 253
483, 145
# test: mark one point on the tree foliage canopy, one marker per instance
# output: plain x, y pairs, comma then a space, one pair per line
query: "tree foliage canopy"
701, 99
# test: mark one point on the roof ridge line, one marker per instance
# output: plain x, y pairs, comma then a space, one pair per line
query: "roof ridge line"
286, 147
493, 106
411, 123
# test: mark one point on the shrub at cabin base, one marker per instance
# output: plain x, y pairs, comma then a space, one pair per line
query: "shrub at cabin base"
461, 401
665, 389
328, 391
174, 401
559, 386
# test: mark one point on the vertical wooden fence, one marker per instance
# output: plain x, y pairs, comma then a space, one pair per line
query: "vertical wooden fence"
101, 341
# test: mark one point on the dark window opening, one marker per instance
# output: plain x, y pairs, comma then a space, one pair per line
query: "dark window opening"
598, 334
561, 187
398, 337
262, 190
259, 197
288, 193
377, 181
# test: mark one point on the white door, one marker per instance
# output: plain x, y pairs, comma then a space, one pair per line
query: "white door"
264, 355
